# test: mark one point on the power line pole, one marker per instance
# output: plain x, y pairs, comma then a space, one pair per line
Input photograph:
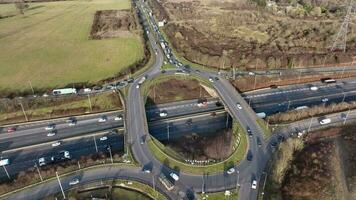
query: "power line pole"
7, 173
341, 37
311, 121
347, 114
112, 161
60, 185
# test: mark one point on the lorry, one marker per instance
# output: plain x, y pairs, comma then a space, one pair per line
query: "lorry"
64, 91
261, 115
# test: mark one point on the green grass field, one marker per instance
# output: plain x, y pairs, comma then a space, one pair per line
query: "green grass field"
49, 45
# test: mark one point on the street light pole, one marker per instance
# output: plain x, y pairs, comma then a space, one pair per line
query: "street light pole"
264, 184
347, 114
168, 131
23, 110
60, 185
96, 146
343, 99
112, 161
311, 121
202, 186
39, 173
237, 179
7, 173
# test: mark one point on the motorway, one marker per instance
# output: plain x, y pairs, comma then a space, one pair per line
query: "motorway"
137, 128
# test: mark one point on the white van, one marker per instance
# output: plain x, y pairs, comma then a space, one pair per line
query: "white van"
325, 121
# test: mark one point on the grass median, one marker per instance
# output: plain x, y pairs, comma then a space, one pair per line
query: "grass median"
164, 155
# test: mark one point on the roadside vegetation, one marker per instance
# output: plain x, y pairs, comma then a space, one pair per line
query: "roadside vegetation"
168, 157
31, 176
321, 167
113, 189
49, 45
314, 111
54, 107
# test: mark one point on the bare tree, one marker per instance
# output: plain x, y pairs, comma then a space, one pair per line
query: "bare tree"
21, 6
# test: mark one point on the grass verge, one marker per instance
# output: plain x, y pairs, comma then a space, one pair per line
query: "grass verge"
226, 195
171, 160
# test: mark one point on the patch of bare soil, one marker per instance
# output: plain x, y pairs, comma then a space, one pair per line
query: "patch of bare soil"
195, 147
112, 23
176, 90
226, 34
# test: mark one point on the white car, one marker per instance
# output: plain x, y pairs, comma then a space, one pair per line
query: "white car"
56, 144
74, 181
254, 184
174, 176
118, 118
163, 114
102, 119
41, 161
251, 73
103, 138
239, 106
230, 171
325, 121
211, 79
314, 88
50, 127
137, 86
52, 133
324, 100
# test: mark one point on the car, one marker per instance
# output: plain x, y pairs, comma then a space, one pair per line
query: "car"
213, 114
137, 86
163, 71
273, 86
249, 132
45, 95
254, 184
314, 88
86, 90
259, 143
343, 116
142, 140
163, 114
324, 121
74, 181
41, 161
324, 100
118, 117
103, 138
52, 133
251, 73
189, 122
56, 144
238, 106
130, 80
230, 171
249, 156
72, 121
50, 127
211, 79
102, 119
216, 78
174, 176
273, 144
11, 129
280, 138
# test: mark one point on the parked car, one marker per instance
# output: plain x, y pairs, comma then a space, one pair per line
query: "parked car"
163, 114
211, 79
324, 100
41, 161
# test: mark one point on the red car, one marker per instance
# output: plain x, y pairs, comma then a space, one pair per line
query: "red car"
11, 129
